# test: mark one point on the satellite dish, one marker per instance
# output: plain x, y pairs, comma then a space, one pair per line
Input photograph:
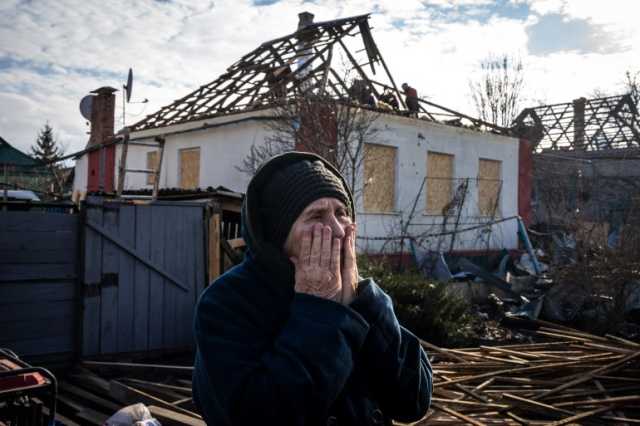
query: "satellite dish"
128, 88
85, 107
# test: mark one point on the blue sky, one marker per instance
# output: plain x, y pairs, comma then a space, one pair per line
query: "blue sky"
52, 53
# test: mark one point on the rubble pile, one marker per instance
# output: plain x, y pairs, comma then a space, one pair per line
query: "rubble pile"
566, 377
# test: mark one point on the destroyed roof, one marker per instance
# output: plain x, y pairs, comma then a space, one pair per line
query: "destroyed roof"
584, 124
299, 62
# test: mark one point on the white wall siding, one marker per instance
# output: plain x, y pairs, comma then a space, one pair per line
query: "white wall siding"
414, 138
222, 149
227, 140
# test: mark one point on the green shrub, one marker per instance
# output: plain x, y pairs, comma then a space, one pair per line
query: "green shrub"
422, 306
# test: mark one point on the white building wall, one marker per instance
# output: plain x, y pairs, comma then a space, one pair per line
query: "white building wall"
80, 176
224, 146
414, 138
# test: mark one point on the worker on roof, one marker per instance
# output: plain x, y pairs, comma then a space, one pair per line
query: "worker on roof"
411, 99
293, 335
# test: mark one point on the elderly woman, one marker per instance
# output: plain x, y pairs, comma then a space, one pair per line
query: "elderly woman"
293, 335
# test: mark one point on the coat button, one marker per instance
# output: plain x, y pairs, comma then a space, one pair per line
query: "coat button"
332, 421
377, 417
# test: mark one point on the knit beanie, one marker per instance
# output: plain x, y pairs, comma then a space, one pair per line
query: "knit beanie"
290, 190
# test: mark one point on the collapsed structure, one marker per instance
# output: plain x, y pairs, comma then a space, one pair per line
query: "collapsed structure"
427, 174
587, 153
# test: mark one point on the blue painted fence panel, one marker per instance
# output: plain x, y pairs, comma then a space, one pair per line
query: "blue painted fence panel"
129, 306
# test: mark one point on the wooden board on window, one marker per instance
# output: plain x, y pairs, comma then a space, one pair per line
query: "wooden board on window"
152, 164
439, 185
489, 184
189, 168
379, 178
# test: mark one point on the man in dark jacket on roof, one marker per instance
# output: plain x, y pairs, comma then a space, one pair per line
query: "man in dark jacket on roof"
293, 335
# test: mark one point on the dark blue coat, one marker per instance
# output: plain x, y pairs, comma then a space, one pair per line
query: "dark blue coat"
267, 355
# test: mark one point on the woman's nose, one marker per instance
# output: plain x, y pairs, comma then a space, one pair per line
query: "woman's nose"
337, 228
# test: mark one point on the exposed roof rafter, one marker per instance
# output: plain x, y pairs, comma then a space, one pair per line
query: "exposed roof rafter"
301, 63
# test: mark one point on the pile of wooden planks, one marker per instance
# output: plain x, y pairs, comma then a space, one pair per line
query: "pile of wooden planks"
566, 377
92, 393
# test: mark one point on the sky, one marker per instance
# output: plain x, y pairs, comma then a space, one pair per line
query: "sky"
54, 52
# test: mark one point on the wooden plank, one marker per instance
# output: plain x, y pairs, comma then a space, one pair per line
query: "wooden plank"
94, 417
114, 239
173, 418
126, 276
152, 164
128, 365
489, 175
59, 323
457, 415
537, 407
44, 345
183, 389
109, 284
579, 416
11, 272
28, 240
439, 185
156, 281
38, 221
92, 274
214, 246
589, 375
189, 159
104, 404
141, 313
201, 255
183, 259
36, 291
130, 395
380, 178
193, 273
40, 256
173, 249
54, 311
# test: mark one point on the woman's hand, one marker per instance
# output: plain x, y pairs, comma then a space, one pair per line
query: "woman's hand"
318, 268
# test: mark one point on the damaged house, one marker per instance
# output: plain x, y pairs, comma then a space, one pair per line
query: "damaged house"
586, 160
422, 171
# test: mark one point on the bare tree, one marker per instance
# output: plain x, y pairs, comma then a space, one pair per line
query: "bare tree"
632, 85
334, 128
497, 93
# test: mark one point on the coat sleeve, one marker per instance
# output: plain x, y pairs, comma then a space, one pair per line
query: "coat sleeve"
402, 381
244, 377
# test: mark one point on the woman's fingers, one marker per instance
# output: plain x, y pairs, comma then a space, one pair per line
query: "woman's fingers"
316, 245
325, 255
305, 247
335, 256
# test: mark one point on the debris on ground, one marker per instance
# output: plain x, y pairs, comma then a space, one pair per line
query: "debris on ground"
96, 391
566, 377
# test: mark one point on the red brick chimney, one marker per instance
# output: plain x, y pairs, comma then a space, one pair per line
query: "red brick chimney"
102, 161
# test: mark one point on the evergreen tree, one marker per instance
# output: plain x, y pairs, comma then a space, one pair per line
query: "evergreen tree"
46, 147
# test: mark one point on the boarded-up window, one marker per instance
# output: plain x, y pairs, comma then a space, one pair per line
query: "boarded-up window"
489, 184
152, 164
379, 178
439, 182
189, 168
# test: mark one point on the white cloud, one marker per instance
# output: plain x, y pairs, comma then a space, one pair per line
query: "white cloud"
54, 52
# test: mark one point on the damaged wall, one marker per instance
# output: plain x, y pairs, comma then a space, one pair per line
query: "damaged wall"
414, 139
596, 187
226, 141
